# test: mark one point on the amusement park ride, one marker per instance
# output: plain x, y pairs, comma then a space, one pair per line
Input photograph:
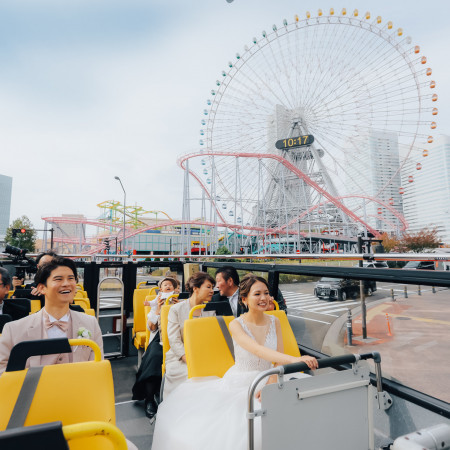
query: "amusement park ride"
314, 131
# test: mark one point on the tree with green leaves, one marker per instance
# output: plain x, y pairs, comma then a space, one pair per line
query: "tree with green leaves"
223, 250
25, 240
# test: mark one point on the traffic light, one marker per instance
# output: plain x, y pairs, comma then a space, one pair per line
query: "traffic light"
18, 230
106, 242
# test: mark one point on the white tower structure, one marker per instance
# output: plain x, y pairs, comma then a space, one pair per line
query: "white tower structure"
426, 202
380, 152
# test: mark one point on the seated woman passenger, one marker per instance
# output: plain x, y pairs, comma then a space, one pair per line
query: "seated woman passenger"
148, 378
200, 286
221, 402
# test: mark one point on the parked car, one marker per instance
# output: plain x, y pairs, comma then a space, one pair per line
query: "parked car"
376, 264
341, 288
419, 265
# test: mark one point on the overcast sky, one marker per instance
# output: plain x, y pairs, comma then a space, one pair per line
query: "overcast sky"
92, 89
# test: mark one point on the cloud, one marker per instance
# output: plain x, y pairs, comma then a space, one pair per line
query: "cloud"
91, 90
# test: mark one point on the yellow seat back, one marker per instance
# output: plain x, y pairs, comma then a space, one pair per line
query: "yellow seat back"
35, 306
81, 294
147, 330
207, 353
70, 393
138, 311
154, 290
90, 432
290, 346
163, 333
83, 302
170, 299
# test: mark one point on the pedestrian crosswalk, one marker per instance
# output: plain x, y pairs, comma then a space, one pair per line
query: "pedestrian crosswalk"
310, 303
110, 302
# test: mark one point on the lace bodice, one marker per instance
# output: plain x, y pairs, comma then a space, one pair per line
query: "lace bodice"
246, 361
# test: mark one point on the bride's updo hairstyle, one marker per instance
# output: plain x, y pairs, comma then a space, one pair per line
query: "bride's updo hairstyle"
196, 281
246, 284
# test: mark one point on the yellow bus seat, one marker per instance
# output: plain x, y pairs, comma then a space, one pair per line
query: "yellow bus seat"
170, 298
81, 294
140, 322
35, 306
290, 346
147, 330
151, 290
147, 310
60, 396
163, 333
154, 291
207, 353
54, 435
83, 302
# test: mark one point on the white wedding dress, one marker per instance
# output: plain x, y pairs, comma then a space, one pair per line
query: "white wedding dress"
210, 413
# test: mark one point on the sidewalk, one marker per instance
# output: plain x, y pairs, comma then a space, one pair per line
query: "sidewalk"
414, 348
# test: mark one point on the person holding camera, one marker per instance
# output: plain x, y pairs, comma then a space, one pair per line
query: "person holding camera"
41, 259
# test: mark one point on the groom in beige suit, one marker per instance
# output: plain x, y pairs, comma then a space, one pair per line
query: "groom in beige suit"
57, 281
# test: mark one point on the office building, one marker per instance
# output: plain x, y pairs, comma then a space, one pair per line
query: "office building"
426, 200
5, 203
372, 170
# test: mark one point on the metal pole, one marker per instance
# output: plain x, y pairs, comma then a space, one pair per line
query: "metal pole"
124, 210
349, 327
51, 238
361, 291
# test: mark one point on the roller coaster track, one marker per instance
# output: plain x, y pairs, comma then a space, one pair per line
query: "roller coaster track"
301, 175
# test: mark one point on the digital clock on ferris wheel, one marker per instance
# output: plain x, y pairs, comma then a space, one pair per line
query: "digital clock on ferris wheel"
294, 142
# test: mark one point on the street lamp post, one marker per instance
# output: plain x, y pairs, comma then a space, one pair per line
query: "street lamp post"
124, 209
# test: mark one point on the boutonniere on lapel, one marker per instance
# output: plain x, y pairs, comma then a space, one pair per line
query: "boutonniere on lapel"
83, 333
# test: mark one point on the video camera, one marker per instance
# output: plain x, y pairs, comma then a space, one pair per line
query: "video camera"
21, 262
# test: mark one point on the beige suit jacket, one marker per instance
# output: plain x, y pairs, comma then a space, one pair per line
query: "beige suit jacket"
31, 328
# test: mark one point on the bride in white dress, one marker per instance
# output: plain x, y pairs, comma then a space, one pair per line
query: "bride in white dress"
210, 413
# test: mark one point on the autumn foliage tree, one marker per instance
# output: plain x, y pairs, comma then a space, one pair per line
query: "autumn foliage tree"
390, 243
411, 242
420, 241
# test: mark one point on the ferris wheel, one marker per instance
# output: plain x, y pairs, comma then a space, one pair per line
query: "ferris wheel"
318, 126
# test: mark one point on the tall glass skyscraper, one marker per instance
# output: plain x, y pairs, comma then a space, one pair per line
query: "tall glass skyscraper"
426, 202
5, 203
374, 171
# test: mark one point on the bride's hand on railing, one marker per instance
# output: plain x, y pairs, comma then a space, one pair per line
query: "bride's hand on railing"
310, 361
